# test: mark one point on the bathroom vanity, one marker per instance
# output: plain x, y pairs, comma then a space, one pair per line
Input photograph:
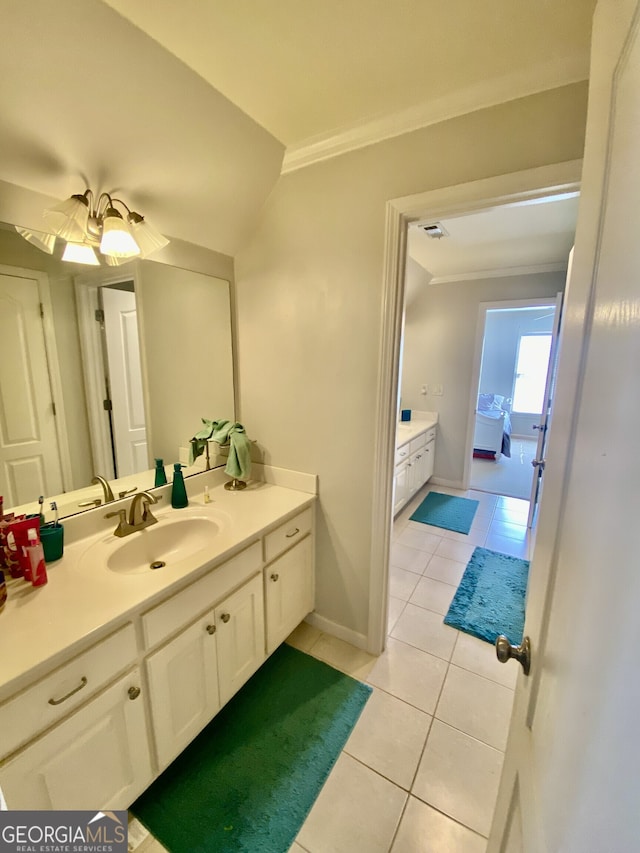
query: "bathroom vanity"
415, 452
113, 667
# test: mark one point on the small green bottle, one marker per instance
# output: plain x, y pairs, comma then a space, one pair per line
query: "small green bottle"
161, 476
179, 497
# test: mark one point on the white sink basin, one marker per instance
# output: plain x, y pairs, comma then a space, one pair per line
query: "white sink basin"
172, 540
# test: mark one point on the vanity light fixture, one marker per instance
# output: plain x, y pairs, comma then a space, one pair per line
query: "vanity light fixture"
96, 231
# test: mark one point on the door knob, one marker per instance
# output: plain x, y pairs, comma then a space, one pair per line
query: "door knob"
540, 426
505, 651
538, 463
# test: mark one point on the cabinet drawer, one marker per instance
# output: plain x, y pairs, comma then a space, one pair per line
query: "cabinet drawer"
51, 698
171, 615
417, 442
287, 534
403, 453
430, 435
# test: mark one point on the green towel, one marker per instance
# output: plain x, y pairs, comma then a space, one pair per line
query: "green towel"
225, 433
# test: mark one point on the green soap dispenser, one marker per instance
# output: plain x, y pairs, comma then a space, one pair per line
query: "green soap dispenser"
161, 476
179, 497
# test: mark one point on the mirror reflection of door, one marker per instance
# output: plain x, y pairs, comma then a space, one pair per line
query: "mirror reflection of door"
124, 379
29, 454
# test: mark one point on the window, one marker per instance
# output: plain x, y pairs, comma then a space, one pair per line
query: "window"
531, 373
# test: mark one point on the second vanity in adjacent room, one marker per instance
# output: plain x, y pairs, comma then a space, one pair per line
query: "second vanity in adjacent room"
415, 453
113, 667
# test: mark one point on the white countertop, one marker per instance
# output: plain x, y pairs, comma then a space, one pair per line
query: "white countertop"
406, 430
83, 601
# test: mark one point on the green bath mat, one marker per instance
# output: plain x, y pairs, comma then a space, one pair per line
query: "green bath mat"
446, 511
249, 779
491, 597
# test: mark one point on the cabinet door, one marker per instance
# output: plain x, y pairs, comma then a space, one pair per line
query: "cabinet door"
289, 590
240, 623
414, 472
429, 453
98, 758
401, 487
183, 684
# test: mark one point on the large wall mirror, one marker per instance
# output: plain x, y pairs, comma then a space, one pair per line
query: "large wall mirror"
102, 372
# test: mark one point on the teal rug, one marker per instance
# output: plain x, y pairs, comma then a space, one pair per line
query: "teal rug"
491, 597
249, 779
446, 511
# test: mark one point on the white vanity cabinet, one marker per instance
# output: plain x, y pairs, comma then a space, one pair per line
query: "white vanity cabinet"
95, 731
100, 754
414, 465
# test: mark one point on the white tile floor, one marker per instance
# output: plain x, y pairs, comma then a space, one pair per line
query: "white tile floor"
420, 772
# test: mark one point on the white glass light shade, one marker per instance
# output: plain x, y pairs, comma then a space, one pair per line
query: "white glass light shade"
69, 218
147, 237
112, 261
80, 253
116, 237
43, 241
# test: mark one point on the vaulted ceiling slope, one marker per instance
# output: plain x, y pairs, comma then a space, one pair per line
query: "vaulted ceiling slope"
308, 70
88, 99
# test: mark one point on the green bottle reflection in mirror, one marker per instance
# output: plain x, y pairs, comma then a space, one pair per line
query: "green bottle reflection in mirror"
179, 497
161, 475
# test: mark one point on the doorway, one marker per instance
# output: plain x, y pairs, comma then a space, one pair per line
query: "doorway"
510, 378
526, 187
108, 321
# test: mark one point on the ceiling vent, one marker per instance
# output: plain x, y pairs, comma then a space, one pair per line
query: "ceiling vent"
435, 230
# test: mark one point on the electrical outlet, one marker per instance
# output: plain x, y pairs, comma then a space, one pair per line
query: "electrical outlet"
424, 390
437, 390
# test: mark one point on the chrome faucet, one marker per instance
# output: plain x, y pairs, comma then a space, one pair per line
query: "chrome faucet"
106, 488
140, 516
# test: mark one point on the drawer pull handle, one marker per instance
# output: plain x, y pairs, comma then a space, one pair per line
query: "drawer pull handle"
133, 692
83, 683
275, 576
211, 629
293, 533
225, 617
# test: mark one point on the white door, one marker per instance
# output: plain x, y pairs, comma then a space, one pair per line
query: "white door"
288, 589
570, 780
29, 454
544, 423
125, 377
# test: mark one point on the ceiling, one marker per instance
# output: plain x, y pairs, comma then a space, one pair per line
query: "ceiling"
306, 69
517, 238
187, 109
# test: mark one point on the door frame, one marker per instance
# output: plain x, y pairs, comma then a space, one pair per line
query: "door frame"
53, 366
483, 308
516, 187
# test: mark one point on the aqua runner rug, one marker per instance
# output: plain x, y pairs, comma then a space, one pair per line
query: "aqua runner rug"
249, 779
491, 597
446, 511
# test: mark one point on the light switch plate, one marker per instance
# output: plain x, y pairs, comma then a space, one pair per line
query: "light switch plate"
437, 390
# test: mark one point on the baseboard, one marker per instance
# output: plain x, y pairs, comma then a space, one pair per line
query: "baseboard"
450, 484
328, 627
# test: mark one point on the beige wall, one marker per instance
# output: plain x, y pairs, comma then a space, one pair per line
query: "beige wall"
439, 343
309, 308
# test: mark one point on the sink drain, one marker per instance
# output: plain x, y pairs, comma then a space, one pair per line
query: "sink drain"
157, 564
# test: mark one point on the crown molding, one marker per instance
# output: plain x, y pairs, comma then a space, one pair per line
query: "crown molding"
487, 93
502, 272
